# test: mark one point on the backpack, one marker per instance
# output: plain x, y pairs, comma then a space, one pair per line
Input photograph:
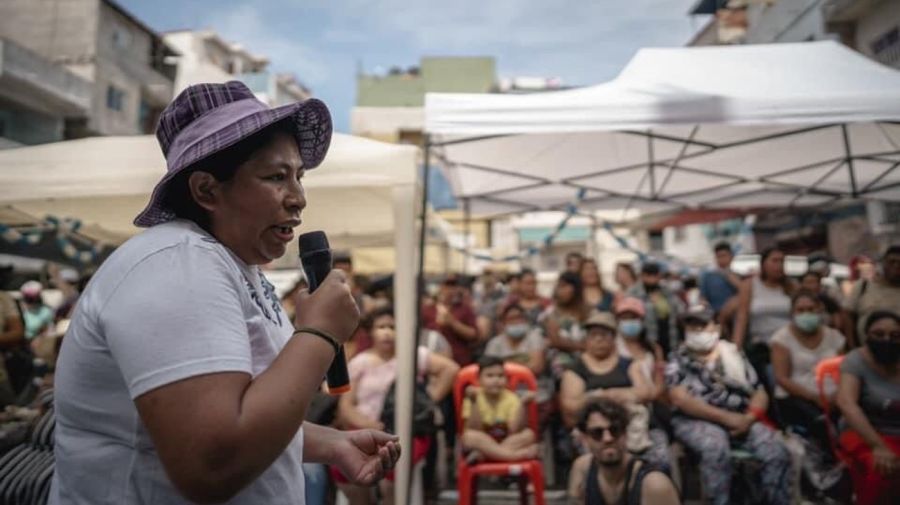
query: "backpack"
423, 408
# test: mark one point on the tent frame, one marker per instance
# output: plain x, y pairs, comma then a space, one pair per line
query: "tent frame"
677, 164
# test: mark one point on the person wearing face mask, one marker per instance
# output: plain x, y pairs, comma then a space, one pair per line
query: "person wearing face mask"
632, 343
37, 315
869, 398
796, 350
518, 341
372, 372
719, 402
662, 307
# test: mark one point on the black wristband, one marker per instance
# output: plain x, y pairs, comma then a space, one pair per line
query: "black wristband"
321, 334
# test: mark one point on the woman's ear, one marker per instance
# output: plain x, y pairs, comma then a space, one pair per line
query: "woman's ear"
204, 189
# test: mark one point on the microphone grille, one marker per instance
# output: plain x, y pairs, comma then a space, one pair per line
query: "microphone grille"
313, 241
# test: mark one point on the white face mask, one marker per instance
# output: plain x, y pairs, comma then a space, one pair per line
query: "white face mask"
701, 341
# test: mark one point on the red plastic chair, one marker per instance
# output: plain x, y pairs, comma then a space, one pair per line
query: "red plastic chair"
466, 474
830, 369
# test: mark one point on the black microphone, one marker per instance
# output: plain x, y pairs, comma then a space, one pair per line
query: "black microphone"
315, 256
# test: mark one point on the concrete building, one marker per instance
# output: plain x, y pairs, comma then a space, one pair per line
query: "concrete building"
389, 107
129, 68
871, 27
205, 57
37, 97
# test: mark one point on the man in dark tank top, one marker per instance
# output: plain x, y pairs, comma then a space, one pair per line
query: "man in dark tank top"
609, 474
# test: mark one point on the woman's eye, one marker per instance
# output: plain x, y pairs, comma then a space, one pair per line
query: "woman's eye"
276, 177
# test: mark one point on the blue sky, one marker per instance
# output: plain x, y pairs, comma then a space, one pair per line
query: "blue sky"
325, 42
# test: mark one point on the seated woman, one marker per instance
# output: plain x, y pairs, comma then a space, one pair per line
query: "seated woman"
601, 372
496, 427
563, 323
632, 343
372, 372
796, 350
518, 340
718, 402
869, 398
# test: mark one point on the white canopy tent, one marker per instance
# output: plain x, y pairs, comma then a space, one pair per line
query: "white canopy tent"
713, 127
363, 194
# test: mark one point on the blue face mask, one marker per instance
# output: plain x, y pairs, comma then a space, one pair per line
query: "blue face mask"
517, 331
808, 322
631, 328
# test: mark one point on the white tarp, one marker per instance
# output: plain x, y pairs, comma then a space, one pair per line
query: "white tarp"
108, 180
737, 126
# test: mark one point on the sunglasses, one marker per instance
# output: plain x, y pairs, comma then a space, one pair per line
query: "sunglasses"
599, 432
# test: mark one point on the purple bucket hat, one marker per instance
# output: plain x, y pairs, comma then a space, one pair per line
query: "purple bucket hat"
207, 118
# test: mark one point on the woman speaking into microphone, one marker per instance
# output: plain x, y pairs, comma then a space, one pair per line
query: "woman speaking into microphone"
180, 379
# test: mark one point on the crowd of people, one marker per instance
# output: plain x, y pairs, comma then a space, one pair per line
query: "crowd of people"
718, 364
721, 363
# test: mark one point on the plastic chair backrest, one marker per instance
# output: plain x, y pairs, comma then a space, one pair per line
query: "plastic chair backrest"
828, 369
517, 377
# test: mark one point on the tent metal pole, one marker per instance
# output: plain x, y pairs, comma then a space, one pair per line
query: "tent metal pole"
650, 165
849, 158
467, 225
420, 290
882, 176
471, 139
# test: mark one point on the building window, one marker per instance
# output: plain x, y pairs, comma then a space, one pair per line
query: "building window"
115, 98
656, 241
886, 47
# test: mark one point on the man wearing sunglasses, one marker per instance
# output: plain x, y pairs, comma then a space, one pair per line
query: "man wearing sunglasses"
609, 473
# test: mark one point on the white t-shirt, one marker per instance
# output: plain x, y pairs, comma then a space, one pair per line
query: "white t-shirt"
169, 304
804, 359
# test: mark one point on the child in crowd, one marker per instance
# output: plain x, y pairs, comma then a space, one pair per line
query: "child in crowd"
495, 421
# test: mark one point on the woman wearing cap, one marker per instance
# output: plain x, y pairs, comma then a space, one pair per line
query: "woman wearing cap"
181, 379
600, 372
718, 403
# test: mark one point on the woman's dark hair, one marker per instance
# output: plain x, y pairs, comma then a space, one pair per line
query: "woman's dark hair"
723, 246
369, 321
628, 268
614, 412
222, 165
810, 273
573, 279
763, 257
786, 283
510, 307
809, 295
488, 361
525, 272
878, 315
